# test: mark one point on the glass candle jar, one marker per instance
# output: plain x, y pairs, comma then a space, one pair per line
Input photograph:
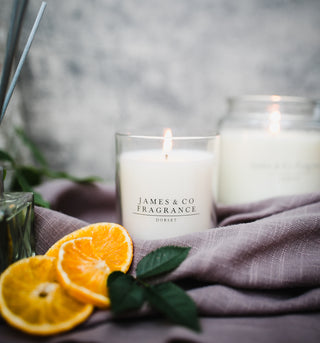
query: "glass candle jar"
165, 184
270, 146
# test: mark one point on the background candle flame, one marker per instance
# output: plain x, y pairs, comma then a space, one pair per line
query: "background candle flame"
274, 119
167, 142
275, 98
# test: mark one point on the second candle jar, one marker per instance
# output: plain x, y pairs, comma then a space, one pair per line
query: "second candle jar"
270, 146
165, 184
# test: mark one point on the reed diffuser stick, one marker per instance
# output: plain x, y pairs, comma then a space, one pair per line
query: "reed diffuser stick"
1, 182
18, 11
22, 60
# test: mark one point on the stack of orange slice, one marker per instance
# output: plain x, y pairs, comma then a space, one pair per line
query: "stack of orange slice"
48, 294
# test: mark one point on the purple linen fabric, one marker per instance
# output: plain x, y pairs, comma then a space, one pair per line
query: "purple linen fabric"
254, 278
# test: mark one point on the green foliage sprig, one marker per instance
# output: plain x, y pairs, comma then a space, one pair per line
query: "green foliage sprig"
26, 177
130, 293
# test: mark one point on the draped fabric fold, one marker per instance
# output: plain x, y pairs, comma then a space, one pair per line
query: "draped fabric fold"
255, 277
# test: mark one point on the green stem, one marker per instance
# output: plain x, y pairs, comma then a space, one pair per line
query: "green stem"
142, 283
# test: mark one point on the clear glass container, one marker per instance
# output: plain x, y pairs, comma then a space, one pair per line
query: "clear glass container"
270, 146
165, 184
16, 227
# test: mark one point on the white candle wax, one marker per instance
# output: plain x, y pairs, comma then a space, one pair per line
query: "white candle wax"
256, 164
165, 197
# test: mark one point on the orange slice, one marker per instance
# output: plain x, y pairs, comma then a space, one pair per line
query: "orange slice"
87, 256
83, 272
33, 301
111, 241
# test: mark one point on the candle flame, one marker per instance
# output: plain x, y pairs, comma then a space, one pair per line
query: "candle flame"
275, 98
274, 119
167, 142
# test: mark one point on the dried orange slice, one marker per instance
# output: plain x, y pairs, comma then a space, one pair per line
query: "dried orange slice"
33, 301
87, 256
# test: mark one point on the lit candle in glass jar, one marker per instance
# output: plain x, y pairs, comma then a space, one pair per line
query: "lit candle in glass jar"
165, 192
270, 146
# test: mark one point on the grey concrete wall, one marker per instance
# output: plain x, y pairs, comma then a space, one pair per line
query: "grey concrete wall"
99, 66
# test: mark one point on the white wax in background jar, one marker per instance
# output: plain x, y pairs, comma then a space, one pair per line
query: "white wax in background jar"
256, 164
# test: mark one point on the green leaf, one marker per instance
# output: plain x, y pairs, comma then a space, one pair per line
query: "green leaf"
174, 303
4, 156
63, 175
124, 292
30, 174
22, 182
33, 148
39, 201
161, 261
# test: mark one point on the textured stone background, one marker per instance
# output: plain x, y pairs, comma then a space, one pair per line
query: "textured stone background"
99, 66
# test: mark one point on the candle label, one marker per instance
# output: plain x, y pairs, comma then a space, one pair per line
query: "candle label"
296, 167
165, 209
